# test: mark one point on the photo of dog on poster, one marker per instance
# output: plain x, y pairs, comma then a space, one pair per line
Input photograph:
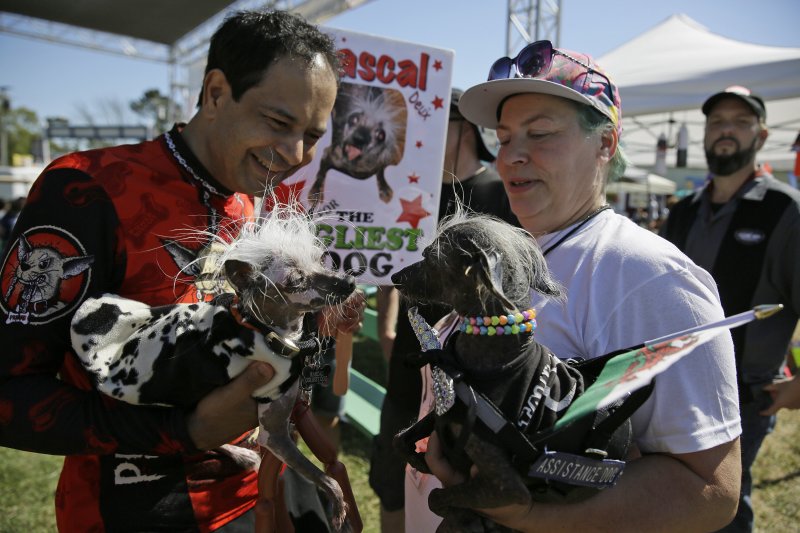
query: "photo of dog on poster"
368, 135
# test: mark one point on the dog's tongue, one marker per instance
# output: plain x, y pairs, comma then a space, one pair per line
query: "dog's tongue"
352, 152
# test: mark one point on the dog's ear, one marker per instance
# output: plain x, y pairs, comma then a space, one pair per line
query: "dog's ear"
540, 279
238, 273
488, 272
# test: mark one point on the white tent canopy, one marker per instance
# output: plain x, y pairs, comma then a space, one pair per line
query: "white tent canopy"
666, 73
640, 181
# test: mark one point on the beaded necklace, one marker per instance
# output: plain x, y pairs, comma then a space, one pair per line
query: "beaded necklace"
206, 188
513, 324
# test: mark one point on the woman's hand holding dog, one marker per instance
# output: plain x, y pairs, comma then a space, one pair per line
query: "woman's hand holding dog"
230, 410
440, 466
514, 516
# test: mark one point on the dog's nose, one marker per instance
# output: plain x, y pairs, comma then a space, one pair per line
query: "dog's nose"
361, 137
343, 285
399, 276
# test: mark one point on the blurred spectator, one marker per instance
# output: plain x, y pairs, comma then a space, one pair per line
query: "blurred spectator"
743, 227
10, 216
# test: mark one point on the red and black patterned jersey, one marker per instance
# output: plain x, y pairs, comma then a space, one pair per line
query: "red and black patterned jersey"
124, 220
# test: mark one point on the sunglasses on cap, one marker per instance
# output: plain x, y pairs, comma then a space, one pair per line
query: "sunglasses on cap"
534, 61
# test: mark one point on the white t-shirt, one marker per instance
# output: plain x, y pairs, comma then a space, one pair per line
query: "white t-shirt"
626, 285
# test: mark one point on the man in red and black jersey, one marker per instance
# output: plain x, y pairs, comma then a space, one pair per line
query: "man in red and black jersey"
115, 220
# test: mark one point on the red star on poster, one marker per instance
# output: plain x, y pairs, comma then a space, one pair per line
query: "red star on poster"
413, 211
438, 103
287, 194
413, 178
437, 65
419, 144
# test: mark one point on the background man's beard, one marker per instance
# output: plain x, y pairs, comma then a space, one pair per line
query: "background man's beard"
725, 165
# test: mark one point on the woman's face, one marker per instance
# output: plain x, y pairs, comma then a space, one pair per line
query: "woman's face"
552, 170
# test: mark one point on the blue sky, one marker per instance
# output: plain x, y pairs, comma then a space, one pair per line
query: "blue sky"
57, 80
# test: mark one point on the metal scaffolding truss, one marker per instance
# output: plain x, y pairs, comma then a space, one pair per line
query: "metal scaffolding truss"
179, 46
175, 38
58, 33
532, 20
181, 50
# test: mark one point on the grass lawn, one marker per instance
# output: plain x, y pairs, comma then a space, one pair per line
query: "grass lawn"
27, 481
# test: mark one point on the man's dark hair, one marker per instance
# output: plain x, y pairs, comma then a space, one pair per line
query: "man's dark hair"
248, 42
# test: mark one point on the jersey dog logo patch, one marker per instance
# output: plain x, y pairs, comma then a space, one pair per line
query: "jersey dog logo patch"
749, 236
45, 273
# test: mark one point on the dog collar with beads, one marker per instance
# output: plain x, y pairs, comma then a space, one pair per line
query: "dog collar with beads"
513, 324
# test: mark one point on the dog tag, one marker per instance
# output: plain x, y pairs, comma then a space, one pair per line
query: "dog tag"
315, 376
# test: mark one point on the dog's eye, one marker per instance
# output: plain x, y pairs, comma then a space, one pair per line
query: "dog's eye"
380, 135
353, 119
294, 281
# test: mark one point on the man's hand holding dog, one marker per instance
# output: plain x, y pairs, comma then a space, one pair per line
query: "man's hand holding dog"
228, 411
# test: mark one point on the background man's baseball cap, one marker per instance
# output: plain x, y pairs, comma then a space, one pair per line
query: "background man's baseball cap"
481, 134
744, 94
566, 78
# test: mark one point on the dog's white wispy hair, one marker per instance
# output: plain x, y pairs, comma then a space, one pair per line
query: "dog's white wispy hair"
283, 236
276, 238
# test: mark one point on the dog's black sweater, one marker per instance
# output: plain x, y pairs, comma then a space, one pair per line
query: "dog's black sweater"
532, 391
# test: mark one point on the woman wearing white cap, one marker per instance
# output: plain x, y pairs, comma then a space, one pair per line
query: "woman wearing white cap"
558, 120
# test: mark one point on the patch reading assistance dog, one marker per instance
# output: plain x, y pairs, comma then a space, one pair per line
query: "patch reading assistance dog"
577, 470
45, 274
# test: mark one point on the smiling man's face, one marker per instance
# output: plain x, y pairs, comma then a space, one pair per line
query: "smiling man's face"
273, 129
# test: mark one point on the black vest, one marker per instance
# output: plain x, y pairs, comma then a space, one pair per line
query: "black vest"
737, 267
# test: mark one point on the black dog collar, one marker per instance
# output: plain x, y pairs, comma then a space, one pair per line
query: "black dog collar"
308, 344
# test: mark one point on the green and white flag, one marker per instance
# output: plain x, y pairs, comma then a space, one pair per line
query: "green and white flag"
632, 370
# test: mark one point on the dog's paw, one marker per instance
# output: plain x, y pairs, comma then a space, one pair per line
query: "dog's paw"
417, 461
386, 194
336, 499
461, 521
345, 528
245, 458
437, 501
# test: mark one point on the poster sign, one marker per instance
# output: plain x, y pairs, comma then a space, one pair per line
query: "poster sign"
376, 177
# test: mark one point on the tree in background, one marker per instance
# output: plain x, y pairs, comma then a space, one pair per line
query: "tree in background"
24, 131
156, 107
